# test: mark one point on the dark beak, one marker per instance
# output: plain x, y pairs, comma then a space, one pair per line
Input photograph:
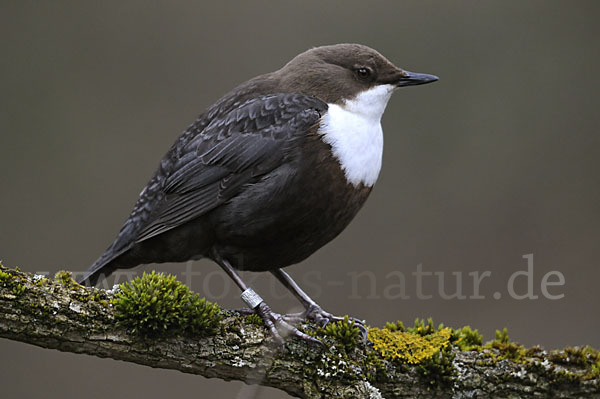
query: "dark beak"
413, 79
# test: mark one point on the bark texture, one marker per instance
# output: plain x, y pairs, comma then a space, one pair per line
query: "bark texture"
59, 314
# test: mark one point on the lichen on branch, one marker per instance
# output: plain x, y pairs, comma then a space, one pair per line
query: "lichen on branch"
156, 321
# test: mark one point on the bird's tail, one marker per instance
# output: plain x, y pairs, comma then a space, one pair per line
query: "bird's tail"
103, 267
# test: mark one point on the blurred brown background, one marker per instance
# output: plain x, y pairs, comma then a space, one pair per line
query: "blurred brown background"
497, 160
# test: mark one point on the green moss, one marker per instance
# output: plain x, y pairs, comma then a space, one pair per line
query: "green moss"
594, 371
574, 356
375, 369
467, 339
254, 319
10, 281
395, 326
341, 359
508, 350
566, 366
422, 328
18, 290
40, 281
5, 277
502, 336
344, 332
438, 370
65, 278
586, 359
158, 304
102, 298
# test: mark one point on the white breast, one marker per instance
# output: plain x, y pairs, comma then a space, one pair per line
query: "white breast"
353, 130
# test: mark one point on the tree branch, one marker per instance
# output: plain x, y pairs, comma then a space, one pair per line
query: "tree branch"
60, 314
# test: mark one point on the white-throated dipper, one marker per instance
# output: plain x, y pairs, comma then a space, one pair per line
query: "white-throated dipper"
267, 175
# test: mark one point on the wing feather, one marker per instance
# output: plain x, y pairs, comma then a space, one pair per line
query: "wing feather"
233, 151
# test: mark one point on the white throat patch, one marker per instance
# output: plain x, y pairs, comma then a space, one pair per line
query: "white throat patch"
353, 130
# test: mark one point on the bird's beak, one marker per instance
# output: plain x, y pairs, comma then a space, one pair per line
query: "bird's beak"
413, 79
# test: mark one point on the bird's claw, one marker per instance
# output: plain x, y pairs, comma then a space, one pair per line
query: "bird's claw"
294, 318
323, 318
280, 328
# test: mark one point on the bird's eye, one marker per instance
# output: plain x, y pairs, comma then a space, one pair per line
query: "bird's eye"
363, 73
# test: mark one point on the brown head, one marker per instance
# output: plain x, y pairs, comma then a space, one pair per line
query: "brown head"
340, 72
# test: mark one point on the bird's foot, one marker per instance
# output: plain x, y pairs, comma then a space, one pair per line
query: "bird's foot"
279, 327
316, 314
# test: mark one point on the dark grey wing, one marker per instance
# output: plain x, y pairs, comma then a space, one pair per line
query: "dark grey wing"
212, 165
250, 141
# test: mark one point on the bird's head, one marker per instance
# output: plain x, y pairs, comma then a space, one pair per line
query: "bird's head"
339, 73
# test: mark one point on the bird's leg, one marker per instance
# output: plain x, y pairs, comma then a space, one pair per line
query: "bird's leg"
313, 311
273, 321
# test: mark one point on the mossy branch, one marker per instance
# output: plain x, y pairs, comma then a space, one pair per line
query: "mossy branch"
423, 362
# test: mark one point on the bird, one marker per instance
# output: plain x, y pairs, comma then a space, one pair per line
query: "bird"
271, 172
